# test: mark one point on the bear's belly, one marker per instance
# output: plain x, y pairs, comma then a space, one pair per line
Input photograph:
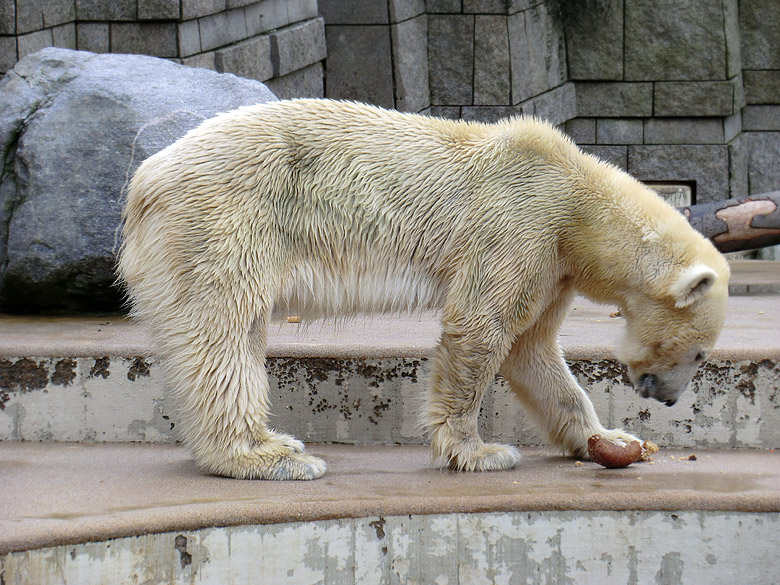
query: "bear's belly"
315, 291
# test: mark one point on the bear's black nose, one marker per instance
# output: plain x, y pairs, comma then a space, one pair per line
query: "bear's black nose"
670, 402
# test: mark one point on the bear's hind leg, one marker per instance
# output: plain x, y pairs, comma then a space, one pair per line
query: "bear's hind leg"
218, 372
466, 362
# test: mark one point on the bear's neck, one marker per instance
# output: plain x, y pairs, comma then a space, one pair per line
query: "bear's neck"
613, 243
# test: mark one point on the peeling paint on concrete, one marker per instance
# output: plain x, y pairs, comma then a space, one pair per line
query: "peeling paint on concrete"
21, 375
138, 369
100, 368
528, 547
375, 401
64, 372
351, 400
672, 569
77, 399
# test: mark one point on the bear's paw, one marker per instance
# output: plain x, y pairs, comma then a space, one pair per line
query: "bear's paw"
479, 456
276, 456
259, 464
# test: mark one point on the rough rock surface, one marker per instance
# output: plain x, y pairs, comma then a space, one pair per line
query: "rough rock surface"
74, 126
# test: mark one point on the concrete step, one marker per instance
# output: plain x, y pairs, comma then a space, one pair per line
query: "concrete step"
91, 379
749, 277
133, 513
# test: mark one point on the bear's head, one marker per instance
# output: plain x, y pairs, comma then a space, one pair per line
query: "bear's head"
672, 326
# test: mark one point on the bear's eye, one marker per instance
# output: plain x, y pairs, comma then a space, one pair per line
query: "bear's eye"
700, 357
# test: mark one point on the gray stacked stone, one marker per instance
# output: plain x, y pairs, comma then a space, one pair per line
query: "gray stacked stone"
490, 59
28, 26
409, 38
359, 64
759, 147
377, 52
705, 167
281, 42
673, 40
697, 98
476, 59
619, 131
594, 39
683, 131
492, 70
538, 50
614, 99
676, 91
450, 58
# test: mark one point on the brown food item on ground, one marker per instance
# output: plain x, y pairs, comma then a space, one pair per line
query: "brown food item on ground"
612, 455
648, 450
293, 319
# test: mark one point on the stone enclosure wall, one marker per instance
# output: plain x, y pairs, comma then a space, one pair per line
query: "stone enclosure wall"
672, 91
684, 92
278, 42
680, 91
470, 59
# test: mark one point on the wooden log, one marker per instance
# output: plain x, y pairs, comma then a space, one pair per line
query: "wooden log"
738, 224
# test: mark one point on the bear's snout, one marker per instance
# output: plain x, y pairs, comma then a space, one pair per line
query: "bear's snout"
649, 386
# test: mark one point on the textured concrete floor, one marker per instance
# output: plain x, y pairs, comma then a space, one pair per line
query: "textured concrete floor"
61, 493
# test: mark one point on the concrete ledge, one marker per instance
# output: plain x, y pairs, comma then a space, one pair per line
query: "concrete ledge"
499, 547
59, 493
590, 332
376, 401
363, 382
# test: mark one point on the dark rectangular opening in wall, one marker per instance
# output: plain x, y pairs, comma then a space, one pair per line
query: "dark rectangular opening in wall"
678, 193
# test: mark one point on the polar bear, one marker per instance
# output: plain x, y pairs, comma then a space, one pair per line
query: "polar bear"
336, 208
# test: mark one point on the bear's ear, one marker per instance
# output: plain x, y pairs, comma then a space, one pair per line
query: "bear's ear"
691, 284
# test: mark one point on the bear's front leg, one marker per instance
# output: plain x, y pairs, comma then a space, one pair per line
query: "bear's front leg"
466, 361
538, 375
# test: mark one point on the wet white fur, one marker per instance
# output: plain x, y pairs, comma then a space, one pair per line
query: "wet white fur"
339, 208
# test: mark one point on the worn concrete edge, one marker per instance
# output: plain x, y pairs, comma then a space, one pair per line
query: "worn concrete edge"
308, 513
306, 350
157, 520
98, 530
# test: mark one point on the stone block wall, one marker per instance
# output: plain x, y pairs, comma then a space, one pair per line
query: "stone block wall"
757, 149
672, 91
377, 52
659, 88
679, 91
477, 60
490, 59
278, 42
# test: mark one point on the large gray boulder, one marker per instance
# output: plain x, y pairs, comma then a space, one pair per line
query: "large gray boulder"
74, 126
